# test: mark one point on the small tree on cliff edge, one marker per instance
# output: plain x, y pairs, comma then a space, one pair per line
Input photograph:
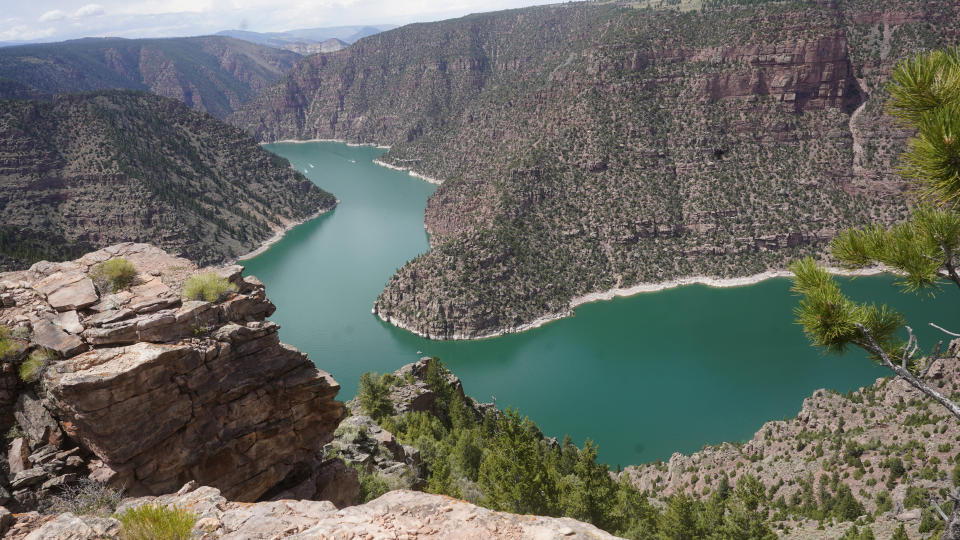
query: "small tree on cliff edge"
925, 95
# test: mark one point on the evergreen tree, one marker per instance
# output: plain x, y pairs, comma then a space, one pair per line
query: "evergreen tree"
590, 492
925, 96
679, 519
512, 476
900, 534
746, 517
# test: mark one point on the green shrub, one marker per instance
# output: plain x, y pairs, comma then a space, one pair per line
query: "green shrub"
32, 369
15, 432
113, 275
916, 497
156, 522
7, 346
207, 286
373, 393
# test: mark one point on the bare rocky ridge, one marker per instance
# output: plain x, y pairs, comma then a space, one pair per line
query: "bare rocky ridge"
398, 514
586, 147
148, 390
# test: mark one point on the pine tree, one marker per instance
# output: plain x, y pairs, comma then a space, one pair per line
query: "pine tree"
900, 534
925, 95
513, 476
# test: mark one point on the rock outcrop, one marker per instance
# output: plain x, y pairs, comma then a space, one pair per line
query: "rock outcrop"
148, 390
398, 514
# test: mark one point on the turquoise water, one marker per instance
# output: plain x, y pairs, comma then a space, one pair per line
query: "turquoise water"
643, 376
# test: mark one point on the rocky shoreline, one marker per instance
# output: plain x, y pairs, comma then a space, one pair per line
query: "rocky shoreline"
409, 171
301, 141
283, 232
618, 292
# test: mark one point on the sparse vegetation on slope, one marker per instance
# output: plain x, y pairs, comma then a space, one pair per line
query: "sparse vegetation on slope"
590, 146
214, 74
87, 170
855, 461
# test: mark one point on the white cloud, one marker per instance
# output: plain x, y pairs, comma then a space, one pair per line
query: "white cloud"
168, 7
155, 18
25, 33
54, 15
89, 10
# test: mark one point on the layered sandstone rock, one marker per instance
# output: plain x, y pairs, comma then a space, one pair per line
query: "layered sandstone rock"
398, 514
148, 390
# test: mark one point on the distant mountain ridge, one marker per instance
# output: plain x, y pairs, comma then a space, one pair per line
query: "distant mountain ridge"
309, 40
83, 171
586, 147
211, 74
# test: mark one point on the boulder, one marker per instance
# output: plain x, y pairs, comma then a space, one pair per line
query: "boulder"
50, 336
68, 291
6, 519
17, 455
238, 413
29, 477
337, 483
37, 423
71, 527
70, 321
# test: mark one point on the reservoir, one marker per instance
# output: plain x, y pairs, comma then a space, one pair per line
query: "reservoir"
643, 376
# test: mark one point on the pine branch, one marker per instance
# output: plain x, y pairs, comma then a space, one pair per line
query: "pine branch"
872, 346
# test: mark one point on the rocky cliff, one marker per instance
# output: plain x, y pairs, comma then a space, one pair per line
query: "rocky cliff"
585, 147
213, 74
147, 390
89, 170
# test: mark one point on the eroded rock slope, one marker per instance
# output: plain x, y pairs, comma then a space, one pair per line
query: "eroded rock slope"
88, 170
587, 146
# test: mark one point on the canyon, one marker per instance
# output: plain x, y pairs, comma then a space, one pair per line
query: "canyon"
588, 147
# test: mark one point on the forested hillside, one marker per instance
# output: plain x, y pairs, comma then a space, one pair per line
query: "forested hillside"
589, 146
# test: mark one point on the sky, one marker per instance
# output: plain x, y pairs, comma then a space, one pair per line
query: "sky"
56, 20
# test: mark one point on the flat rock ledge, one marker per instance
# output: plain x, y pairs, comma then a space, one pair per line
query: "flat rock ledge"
395, 515
147, 390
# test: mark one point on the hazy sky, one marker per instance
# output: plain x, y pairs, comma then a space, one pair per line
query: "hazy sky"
54, 20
